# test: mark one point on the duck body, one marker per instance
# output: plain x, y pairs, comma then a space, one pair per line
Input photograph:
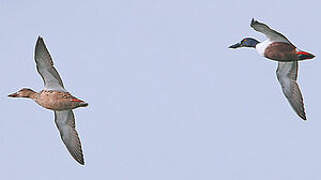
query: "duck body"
281, 51
50, 99
58, 101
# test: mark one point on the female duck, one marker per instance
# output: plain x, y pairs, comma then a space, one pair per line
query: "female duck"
56, 98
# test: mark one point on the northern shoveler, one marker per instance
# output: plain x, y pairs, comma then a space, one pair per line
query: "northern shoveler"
277, 47
56, 98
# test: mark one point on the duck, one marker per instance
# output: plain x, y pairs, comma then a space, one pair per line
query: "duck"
278, 48
56, 98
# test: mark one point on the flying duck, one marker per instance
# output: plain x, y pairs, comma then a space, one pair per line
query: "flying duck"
55, 97
278, 48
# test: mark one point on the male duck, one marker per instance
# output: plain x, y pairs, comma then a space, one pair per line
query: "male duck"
277, 47
56, 98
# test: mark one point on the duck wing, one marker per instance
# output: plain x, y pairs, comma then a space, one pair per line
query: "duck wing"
287, 73
271, 34
46, 69
65, 121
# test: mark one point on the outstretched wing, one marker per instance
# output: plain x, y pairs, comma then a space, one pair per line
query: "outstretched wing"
65, 122
271, 34
46, 69
287, 73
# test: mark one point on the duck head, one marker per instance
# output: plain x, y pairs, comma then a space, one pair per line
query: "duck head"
246, 42
25, 93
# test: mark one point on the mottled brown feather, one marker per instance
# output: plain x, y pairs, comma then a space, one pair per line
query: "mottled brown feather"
56, 100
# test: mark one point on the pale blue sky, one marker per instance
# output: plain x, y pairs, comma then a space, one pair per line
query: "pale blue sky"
167, 99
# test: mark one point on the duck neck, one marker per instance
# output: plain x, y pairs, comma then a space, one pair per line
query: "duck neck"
34, 95
30, 94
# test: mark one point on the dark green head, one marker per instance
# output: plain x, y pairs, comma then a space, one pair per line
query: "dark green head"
247, 42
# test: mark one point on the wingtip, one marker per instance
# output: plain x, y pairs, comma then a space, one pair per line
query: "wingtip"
252, 22
79, 157
81, 161
39, 38
302, 115
39, 41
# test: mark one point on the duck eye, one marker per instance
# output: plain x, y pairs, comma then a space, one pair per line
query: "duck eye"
244, 41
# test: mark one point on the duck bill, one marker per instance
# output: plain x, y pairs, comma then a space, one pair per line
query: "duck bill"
237, 45
304, 55
13, 95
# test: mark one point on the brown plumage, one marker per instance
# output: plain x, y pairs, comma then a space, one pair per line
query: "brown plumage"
281, 51
53, 100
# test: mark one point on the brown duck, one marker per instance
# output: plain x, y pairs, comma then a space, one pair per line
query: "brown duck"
56, 98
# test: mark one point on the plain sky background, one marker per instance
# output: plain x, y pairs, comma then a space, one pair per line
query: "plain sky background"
167, 99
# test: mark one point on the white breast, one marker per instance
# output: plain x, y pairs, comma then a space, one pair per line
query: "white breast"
260, 47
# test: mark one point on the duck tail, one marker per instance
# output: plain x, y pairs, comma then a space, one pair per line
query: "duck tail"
83, 104
304, 55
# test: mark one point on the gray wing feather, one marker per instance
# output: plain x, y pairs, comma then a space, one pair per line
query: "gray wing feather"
45, 67
65, 122
271, 34
287, 73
